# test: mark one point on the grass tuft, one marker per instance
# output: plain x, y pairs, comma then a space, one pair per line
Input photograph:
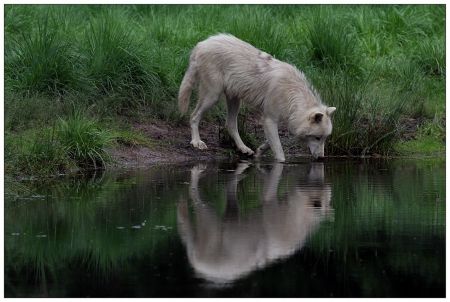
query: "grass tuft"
42, 62
35, 152
117, 65
331, 42
84, 141
430, 57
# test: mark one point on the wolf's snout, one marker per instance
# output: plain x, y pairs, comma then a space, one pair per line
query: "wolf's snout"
317, 151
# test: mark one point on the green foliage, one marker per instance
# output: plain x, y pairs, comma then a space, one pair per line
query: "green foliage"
41, 61
35, 152
430, 56
131, 138
376, 64
84, 141
116, 62
22, 113
73, 143
331, 42
430, 140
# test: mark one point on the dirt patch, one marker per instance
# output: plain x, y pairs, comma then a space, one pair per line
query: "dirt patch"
410, 127
170, 144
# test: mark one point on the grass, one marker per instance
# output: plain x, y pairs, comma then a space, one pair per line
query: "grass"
84, 141
430, 140
42, 63
35, 152
115, 62
377, 64
331, 43
132, 138
75, 143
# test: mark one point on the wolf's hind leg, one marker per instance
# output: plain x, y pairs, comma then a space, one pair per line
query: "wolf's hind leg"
233, 105
206, 100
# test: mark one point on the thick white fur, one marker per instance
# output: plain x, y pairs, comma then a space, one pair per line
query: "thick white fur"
225, 65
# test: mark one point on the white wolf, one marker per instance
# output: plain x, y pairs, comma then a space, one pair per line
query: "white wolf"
225, 65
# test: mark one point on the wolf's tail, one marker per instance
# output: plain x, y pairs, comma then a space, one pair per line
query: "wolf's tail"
189, 80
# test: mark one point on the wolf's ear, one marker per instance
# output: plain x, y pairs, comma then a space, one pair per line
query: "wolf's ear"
331, 110
316, 117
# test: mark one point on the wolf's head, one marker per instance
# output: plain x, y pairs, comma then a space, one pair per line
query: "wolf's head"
314, 126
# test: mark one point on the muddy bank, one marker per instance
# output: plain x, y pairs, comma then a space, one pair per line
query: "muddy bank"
170, 144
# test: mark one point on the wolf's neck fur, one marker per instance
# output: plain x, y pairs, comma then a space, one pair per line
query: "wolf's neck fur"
302, 97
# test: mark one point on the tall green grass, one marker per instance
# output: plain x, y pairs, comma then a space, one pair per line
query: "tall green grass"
42, 62
76, 142
35, 152
377, 64
332, 42
84, 140
117, 65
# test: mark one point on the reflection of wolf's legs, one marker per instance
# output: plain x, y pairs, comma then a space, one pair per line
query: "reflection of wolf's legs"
208, 96
205, 224
271, 183
203, 211
195, 176
271, 132
232, 207
233, 105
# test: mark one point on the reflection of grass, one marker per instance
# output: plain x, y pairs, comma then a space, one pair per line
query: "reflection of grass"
80, 220
381, 206
396, 223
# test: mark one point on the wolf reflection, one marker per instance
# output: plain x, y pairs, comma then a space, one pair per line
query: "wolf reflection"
224, 248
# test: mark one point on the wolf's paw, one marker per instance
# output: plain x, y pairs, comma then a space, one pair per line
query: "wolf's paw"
259, 153
199, 144
280, 159
246, 150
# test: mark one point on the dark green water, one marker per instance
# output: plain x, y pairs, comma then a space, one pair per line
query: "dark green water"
339, 228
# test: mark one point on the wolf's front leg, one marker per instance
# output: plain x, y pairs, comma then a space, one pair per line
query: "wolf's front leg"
271, 132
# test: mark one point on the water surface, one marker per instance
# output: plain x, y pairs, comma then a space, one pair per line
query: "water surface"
333, 229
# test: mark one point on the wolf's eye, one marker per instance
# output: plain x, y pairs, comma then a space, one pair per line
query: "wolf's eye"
317, 138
